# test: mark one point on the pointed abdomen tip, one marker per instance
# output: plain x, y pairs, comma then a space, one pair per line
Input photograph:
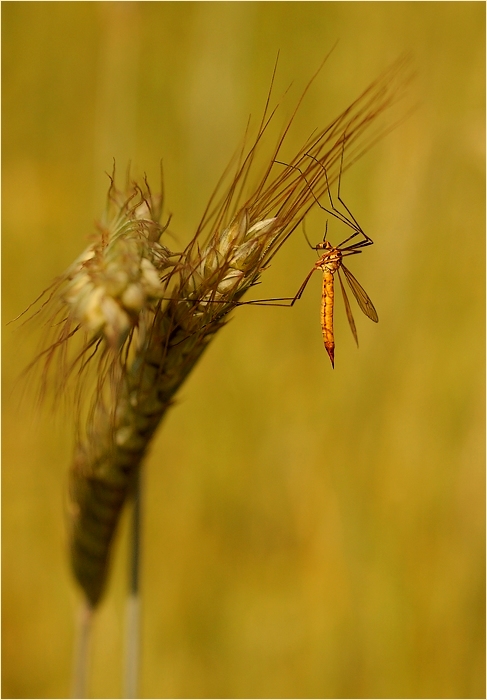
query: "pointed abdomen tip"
331, 354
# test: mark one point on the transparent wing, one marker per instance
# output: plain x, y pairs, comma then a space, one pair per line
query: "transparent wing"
348, 309
360, 295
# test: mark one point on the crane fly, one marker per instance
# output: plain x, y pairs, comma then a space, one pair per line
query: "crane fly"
331, 264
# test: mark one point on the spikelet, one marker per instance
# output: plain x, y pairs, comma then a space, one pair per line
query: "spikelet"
119, 275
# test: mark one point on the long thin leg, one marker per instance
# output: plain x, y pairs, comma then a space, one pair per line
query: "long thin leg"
336, 213
293, 300
295, 167
352, 221
359, 228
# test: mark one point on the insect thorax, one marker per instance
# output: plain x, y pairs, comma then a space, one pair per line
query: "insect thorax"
331, 260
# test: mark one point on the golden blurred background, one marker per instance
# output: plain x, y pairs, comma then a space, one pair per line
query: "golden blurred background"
307, 532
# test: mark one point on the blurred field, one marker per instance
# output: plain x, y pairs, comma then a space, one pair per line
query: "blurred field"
308, 532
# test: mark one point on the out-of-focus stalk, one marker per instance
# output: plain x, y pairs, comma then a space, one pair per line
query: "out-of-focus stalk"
132, 633
81, 653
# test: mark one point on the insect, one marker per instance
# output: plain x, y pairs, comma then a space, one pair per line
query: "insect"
331, 264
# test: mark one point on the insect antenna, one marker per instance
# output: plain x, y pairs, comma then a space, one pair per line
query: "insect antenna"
313, 247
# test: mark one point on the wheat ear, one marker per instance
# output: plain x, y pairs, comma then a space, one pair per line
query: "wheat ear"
142, 315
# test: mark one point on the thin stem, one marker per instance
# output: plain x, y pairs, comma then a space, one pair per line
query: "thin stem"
81, 653
132, 651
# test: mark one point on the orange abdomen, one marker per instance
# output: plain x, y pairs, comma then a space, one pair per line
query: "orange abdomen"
327, 302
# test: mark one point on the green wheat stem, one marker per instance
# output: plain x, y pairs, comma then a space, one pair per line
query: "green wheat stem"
132, 634
81, 655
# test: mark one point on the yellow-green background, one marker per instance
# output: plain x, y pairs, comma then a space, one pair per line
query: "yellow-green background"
307, 532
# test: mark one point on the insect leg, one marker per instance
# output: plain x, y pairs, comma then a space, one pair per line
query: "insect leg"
352, 221
358, 227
